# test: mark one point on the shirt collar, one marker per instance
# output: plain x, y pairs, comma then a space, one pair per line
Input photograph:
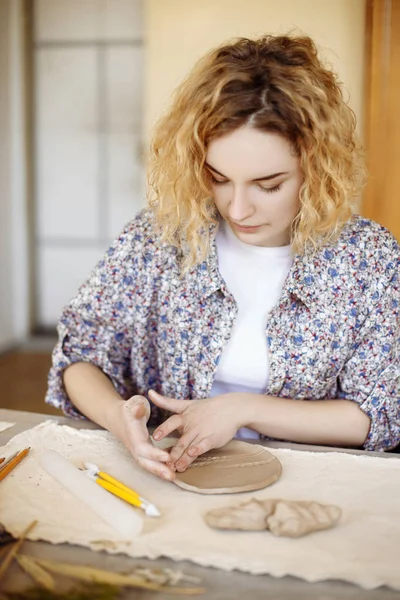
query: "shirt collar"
301, 281
207, 278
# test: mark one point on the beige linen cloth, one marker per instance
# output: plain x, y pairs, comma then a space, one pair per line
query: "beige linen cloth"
5, 425
363, 548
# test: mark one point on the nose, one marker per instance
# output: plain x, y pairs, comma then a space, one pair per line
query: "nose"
240, 207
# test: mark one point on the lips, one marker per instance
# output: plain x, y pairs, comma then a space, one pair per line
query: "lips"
246, 228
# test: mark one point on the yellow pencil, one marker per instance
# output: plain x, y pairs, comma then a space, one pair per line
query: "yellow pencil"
119, 489
132, 499
119, 484
96, 471
10, 465
8, 460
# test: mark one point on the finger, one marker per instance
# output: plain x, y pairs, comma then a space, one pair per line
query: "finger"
138, 407
186, 459
178, 451
200, 447
138, 411
140, 444
171, 424
197, 448
176, 406
146, 449
156, 468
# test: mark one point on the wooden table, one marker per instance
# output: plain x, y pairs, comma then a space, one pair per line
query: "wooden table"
220, 585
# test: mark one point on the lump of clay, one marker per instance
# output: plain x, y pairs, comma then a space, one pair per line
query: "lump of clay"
294, 519
248, 516
281, 517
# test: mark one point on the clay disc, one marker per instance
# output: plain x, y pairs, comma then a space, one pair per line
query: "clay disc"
237, 467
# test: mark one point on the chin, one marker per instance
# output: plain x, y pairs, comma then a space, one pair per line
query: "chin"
260, 239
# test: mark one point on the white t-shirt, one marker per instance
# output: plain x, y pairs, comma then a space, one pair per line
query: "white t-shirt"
255, 276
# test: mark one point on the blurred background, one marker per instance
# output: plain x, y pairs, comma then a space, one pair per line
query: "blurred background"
81, 84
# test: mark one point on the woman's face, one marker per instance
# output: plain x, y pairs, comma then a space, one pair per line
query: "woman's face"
256, 180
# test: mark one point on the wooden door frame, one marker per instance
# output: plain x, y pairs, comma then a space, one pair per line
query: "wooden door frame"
378, 25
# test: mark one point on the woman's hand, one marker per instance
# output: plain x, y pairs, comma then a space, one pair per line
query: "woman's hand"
130, 426
203, 425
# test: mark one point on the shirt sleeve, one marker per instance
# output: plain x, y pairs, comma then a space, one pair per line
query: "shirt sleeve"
94, 326
371, 377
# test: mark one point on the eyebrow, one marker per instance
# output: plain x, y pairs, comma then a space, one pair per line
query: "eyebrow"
265, 178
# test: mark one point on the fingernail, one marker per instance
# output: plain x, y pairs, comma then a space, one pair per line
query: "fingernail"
180, 466
192, 451
167, 476
157, 435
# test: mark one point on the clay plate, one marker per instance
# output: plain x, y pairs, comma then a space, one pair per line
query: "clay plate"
237, 467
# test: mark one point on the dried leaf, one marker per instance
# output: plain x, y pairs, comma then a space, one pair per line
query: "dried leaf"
37, 573
163, 576
100, 576
3, 552
5, 536
176, 576
156, 576
83, 592
105, 544
14, 549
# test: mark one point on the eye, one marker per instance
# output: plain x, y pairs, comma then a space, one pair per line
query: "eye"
271, 190
217, 181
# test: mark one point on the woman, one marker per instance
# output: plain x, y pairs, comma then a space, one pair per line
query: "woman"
247, 300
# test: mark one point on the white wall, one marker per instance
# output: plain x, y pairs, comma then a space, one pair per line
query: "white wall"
89, 177
14, 301
181, 31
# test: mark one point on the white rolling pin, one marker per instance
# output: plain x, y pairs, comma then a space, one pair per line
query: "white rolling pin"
122, 517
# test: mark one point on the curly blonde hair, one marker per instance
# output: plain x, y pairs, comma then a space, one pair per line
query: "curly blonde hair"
274, 84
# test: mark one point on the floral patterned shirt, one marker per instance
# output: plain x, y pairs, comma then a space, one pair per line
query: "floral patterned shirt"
334, 334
